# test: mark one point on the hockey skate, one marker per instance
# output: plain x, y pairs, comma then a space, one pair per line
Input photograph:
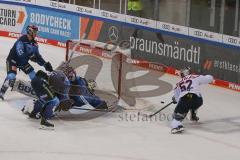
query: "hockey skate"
34, 115
46, 125
193, 116
178, 129
28, 110
102, 106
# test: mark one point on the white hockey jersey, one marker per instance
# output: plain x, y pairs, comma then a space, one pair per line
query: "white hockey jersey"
191, 84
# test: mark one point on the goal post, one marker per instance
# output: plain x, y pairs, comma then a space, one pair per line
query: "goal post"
93, 60
115, 72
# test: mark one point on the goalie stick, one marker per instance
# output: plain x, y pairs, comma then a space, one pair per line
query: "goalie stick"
79, 110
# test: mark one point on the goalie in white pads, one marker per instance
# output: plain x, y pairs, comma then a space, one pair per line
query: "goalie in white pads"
188, 97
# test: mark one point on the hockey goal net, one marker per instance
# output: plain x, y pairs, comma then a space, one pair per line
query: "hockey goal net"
116, 74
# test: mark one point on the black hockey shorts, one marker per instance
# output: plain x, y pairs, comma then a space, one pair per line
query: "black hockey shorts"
188, 102
12, 67
42, 89
27, 68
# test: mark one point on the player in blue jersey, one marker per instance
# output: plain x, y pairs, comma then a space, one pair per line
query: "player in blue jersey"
52, 91
81, 90
23, 50
75, 91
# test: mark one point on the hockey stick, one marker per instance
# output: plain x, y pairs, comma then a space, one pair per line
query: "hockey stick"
160, 110
88, 109
79, 110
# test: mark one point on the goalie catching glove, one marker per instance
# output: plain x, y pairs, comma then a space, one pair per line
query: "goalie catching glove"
64, 105
91, 84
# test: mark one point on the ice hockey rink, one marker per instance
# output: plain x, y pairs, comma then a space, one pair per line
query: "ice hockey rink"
116, 136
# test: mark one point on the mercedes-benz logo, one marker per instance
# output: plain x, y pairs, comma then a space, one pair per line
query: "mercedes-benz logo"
113, 33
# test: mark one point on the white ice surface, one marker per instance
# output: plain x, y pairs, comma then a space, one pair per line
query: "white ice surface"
114, 136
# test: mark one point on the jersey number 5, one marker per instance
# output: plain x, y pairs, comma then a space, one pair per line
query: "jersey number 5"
185, 85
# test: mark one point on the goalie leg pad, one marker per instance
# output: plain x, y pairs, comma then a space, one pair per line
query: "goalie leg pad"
92, 100
25, 88
64, 105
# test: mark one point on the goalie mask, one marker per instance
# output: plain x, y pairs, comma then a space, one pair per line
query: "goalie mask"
184, 72
69, 72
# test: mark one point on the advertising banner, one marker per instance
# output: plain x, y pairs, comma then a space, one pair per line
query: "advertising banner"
54, 25
224, 63
23, 1
12, 18
159, 42
171, 50
178, 52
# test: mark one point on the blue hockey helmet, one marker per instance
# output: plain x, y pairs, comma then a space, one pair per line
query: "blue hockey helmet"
32, 30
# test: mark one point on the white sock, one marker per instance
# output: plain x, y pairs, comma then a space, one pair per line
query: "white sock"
175, 123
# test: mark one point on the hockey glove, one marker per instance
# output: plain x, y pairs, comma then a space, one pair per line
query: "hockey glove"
42, 74
91, 85
64, 105
174, 100
48, 67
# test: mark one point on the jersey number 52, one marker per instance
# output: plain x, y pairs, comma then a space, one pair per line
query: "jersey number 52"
186, 85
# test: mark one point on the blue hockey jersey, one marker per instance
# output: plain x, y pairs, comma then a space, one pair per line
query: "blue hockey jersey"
24, 50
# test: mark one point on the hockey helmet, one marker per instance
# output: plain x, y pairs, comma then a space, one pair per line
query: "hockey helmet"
69, 71
59, 82
185, 71
32, 30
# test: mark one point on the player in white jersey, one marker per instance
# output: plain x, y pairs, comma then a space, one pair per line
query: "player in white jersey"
188, 97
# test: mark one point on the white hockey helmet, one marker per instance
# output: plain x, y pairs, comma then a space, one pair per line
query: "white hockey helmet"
185, 71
